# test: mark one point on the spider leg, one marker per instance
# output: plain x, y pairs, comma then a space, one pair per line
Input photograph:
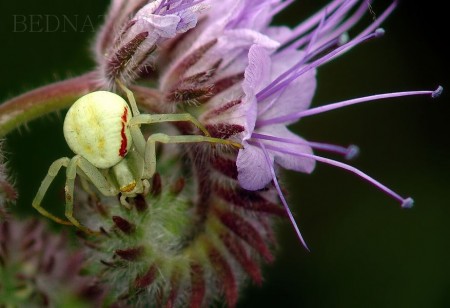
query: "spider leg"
139, 118
51, 174
130, 97
171, 117
84, 181
94, 175
150, 150
138, 137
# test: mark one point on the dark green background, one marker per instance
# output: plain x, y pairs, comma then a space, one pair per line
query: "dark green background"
366, 251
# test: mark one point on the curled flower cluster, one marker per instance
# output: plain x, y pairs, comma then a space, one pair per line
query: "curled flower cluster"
7, 192
39, 269
206, 224
124, 45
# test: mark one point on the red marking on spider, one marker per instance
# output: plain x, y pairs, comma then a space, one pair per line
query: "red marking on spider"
123, 144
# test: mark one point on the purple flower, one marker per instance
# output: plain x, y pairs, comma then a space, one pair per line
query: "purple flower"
279, 86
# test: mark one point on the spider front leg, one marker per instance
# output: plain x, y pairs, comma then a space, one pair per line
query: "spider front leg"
150, 149
139, 140
139, 118
170, 117
130, 97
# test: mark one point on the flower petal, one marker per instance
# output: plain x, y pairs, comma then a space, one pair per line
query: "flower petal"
253, 171
295, 97
164, 26
278, 33
287, 161
255, 76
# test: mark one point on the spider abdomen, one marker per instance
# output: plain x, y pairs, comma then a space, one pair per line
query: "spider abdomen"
96, 127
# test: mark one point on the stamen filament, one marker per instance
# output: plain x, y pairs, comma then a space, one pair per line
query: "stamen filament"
276, 85
405, 202
379, 20
347, 24
343, 39
281, 7
315, 34
283, 200
272, 87
349, 152
338, 16
161, 5
313, 20
302, 61
333, 21
334, 43
322, 109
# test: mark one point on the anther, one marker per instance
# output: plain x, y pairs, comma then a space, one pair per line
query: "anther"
405, 203
343, 39
436, 93
408, 203
379, 32
352, 152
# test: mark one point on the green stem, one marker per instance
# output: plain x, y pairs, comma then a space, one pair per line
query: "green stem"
42, 101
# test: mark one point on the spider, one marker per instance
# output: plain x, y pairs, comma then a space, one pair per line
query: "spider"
111, 151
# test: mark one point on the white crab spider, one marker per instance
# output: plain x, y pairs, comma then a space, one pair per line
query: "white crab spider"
111, 151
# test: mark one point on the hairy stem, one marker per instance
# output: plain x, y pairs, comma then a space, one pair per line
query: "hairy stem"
42, 101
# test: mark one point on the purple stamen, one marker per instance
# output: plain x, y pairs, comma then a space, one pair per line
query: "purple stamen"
302, 60
283, 200
313, 20
334, 43
437, 92
379, 20
272, 87
352, 152
321, 109
338, 16
363, 35
372, 27
270, 104
405, 202
315, 35
332, 21
343, 39
349, 152
281, 6
159, 8
349, 23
